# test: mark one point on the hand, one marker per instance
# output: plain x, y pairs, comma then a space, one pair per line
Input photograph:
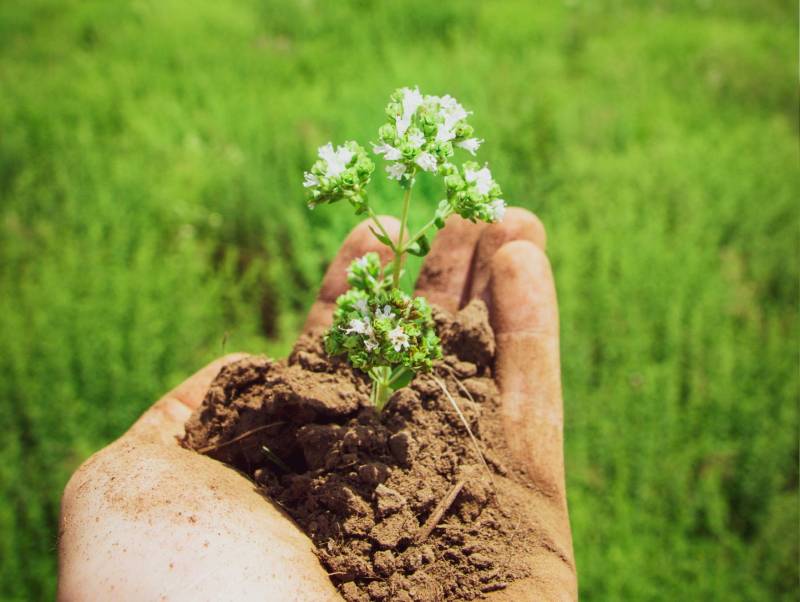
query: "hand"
145, 519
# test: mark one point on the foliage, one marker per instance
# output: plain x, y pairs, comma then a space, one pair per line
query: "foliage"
149, 221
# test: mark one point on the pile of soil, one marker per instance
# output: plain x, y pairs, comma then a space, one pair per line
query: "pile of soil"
399, 506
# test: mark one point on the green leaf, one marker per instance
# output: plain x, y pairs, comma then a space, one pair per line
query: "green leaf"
420, 247
384, 239
400, 378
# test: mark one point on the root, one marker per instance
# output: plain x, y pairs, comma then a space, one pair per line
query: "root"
461, 385
245, 435
469, 430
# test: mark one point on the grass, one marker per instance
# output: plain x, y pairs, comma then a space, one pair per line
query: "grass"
151, 158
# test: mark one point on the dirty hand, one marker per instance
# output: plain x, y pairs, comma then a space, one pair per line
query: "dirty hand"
145, 519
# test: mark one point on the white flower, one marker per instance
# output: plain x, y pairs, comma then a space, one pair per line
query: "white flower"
398, 338
451, 110
482, 179
370, 344
309, 180
361, 305
385, 313
396, 170
389, 152
362, 263
416, 140
411, 101
426, 161
497, 210
470, 145
359, 326
336, 160
445, 133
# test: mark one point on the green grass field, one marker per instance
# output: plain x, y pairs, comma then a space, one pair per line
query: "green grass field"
151, 217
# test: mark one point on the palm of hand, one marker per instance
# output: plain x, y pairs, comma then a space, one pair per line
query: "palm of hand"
146, 519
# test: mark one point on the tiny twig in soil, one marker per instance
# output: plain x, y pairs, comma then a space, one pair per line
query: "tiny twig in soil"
438, 512
205, 450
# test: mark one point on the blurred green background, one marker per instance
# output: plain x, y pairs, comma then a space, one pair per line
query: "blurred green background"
151, 218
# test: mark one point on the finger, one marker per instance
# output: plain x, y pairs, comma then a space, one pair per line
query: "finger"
165, 419
518, 224
444, 278
359, 242
524, 316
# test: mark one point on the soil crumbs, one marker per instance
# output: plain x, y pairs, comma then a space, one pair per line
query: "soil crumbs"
367, 489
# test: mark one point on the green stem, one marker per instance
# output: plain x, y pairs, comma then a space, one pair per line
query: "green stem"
397, 264
382, 394
421, 233
381, 389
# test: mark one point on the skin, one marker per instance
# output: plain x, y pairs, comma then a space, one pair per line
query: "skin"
144, 519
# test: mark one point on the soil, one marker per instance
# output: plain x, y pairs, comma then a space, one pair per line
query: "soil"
399, 506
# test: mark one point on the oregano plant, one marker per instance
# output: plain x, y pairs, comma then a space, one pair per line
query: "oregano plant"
384, 331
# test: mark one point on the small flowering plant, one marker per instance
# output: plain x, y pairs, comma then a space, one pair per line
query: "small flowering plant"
382, 330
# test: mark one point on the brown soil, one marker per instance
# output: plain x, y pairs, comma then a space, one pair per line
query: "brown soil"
400, 506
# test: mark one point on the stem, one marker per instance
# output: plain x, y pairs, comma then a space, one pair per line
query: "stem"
381, 389
421, 233
382, 394
397, 264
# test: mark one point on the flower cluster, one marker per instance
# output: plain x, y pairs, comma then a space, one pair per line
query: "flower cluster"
340, 173
366, 274
421, 133
377, 326
474, 194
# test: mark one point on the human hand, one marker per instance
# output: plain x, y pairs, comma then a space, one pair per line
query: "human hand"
147, 519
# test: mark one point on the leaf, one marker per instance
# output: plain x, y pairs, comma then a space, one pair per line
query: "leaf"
400, 378
420, 247
384, 239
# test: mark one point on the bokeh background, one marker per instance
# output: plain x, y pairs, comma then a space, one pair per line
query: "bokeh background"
151, 218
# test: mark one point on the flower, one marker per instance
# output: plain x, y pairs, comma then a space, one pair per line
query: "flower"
474, 195
400, 332
396, 170
415, 139
360, 264
451, 110
337, 160
422, 133
497, 210
389, 153
365, 277
411, 101
386, 313
339, 173
482, 179
470, 145
361, 305
426, 161
398, 338
359, 326
445, 134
